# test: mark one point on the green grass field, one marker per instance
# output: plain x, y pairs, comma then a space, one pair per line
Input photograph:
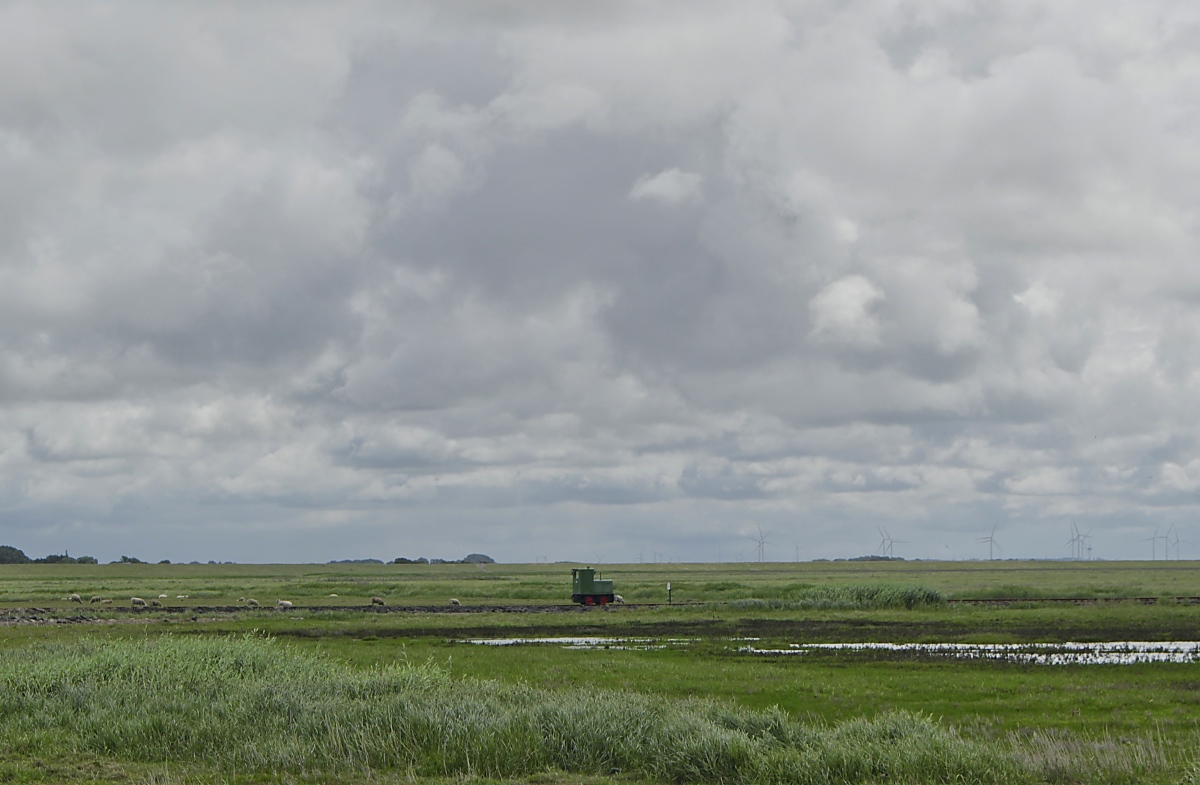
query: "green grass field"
928, 719
46, 585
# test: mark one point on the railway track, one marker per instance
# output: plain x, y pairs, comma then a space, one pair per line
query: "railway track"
76, 610
5, 614
1074, 600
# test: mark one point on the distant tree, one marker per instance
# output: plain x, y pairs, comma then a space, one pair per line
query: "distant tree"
11, 555
87, 560
478, 558
165, 561
56, 559
129, 560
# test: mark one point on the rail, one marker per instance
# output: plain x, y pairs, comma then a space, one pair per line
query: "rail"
58, 611
1075, 600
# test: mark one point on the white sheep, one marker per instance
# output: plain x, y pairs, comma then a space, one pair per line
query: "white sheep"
253, 603
618, 598
137, 602
162, 596
377, 601
333, 595
75, 597
155, 604
454, 602
284, 603
106, 601
95, 598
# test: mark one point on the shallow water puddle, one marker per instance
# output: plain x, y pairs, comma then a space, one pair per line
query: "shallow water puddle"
630, 644
1111, 653
1114, 653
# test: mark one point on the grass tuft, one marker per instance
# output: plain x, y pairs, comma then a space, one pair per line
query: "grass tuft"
252, 704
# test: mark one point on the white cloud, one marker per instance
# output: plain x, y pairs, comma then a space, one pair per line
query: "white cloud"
668, 187
842, 313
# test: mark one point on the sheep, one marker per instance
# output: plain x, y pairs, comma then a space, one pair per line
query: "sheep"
250, 601
106, 601
155, 604
182, 596
241, 599
137, 602
618, 598
454, 602
377, 601
162, 596
284, 603
75, 597
95, 598
333, 595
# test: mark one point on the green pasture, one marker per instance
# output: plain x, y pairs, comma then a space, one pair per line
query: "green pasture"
997, 721
47, 585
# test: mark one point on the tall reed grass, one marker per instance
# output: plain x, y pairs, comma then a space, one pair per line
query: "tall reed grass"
252, 704
1061, 757
849, 597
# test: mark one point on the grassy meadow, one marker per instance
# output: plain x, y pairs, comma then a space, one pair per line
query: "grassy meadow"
332, 690
206, 584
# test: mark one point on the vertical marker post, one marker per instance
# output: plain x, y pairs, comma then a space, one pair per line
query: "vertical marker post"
668, 592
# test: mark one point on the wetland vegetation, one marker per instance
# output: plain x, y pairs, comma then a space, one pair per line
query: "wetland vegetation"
333, 691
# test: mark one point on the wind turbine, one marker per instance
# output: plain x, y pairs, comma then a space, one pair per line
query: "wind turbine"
1153, 538
886, 542
1176, 542
1076, 542
992, 544
1166, 538
762, 543
1085, 541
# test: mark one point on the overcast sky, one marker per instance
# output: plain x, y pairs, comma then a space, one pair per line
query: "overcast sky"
288, 281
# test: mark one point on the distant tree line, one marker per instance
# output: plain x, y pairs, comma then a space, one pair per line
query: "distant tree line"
470, 558
11, 555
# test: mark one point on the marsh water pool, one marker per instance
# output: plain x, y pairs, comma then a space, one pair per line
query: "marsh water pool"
1108, 653
1071, 653
585, 642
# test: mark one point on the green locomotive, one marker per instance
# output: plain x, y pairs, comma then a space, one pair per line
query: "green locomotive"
588, 589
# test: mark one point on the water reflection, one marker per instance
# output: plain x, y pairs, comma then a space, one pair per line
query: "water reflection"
1109, 653
1112, 653
631, 644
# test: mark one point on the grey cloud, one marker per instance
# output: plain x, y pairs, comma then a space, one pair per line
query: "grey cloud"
431, 274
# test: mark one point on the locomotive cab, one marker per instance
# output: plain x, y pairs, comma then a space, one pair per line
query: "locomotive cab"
588, 589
